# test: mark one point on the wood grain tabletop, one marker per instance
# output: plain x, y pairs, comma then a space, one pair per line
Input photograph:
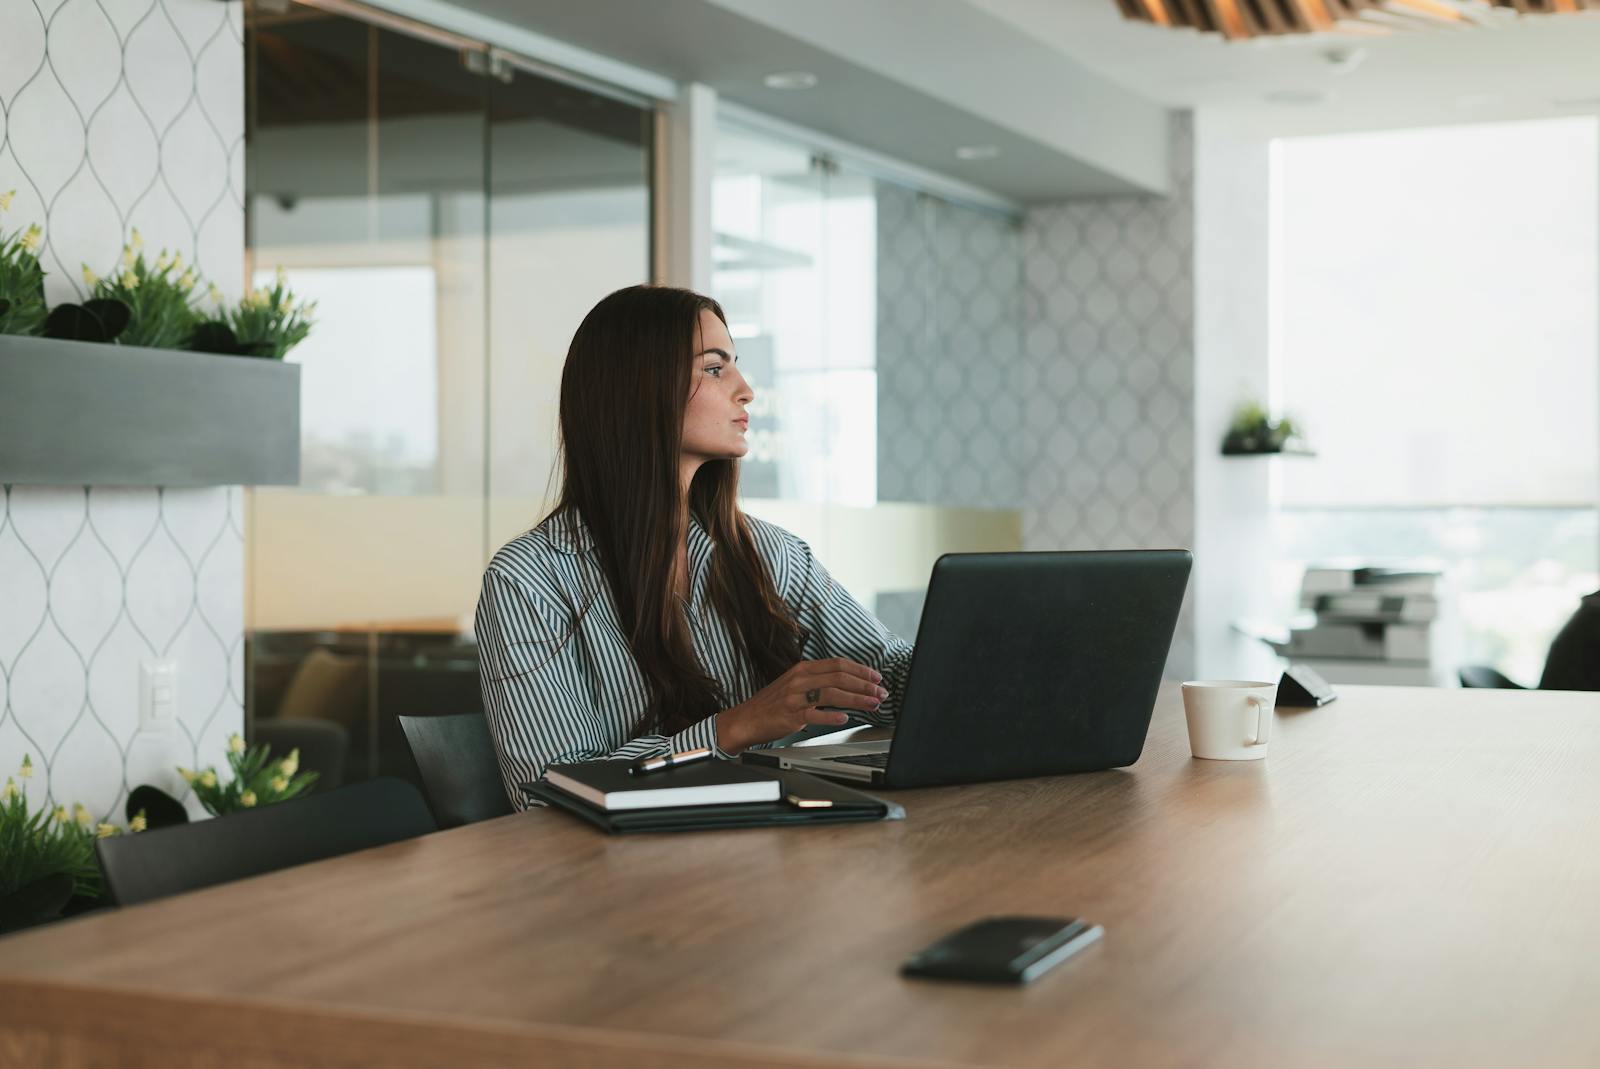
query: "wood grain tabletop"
1411, 877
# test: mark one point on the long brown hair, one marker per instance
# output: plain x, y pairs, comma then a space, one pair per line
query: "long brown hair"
623, 391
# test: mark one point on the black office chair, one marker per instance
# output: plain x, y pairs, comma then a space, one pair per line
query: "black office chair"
323, 745
1486, 678
459, 771
186, 857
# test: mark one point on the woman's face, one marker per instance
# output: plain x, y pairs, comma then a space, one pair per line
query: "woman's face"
715, 420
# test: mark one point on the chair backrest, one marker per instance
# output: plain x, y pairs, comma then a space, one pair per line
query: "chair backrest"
459, 771
186, 857
1484, 677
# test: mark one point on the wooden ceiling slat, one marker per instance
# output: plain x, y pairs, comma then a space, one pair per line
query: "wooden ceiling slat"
1197, 15
1434, 10
1289, 16
1270, 16
1225, 16
1238, 19
1255, 23
1314, 15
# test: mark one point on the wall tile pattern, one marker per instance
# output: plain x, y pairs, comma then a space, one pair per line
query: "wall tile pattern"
949, 338
96, 581
1050, 369
116, 114
1108, 308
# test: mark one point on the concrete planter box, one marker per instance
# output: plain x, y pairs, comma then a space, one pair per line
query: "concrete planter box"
88, 414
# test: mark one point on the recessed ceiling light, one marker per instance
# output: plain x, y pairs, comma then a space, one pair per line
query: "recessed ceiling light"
1298, 97
977, 152
790, 80
1344, 59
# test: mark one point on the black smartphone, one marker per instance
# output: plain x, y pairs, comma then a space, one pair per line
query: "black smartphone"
1003, 950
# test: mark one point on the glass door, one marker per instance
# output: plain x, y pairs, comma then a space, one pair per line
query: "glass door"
454, 218
568, 222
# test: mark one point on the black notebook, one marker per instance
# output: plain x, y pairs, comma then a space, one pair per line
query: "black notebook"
847, 805
611, 786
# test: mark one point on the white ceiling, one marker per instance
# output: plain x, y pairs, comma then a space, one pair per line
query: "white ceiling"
1534, 65
911, 80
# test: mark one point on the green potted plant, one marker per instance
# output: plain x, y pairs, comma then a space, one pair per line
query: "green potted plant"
61, 393
257, 780
47, 859
157, 295
266, 323
1253, 432
22, 307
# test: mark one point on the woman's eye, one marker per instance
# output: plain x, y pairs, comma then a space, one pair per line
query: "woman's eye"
715, 371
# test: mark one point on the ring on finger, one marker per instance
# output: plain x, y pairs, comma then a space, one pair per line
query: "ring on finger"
813, 695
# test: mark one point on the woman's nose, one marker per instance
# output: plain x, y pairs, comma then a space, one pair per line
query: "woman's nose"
746, 392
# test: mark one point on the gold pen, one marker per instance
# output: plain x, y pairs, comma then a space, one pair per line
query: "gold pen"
807, 803
668, 760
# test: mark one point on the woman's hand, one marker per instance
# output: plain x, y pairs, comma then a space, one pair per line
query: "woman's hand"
791, 701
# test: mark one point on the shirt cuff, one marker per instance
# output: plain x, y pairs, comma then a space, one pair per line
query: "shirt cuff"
703, 734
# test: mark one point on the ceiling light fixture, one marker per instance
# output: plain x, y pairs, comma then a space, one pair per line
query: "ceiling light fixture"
1239, 19
1297, 97
790, 80
977, 152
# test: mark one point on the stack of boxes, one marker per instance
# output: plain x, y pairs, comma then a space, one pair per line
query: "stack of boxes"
1369, 617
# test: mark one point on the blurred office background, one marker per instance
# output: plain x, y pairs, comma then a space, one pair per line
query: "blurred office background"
939, 366
1001, 272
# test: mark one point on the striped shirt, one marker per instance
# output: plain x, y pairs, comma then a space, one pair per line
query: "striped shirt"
560, 683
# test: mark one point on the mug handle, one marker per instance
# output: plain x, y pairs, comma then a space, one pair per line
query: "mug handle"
1263, 720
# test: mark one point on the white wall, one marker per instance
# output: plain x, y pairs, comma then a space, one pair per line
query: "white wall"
1233, 495
114, 117
1065, 389
948, 51
1107, 376
949, 342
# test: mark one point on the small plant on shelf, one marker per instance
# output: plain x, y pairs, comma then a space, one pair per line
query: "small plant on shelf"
266, 323
46, 855
149, 303
257, 779
22, 307
1253, 431
157, 295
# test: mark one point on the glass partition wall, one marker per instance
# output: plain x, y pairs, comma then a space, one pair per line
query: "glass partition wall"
816, 261
453, 216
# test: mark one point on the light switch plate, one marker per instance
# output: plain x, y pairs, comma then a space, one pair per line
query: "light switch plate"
158, 694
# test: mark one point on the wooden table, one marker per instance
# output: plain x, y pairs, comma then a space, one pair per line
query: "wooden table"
1411, 878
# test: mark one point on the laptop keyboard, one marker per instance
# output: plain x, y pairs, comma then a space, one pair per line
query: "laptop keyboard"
871, 760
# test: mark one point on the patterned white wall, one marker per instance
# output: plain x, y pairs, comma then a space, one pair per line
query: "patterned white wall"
1050, 369
117, 114
949, 341
96, 581
1108, 301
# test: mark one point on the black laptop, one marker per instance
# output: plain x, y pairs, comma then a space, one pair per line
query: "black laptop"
1026, 664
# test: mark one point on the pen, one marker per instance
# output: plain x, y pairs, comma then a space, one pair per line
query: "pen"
669, 760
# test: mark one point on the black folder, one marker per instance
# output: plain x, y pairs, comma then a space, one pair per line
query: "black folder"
849, 806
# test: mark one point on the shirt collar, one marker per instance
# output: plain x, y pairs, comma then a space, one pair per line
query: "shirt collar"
568, 533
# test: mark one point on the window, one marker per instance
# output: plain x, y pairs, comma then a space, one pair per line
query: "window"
795, 259
1436, 336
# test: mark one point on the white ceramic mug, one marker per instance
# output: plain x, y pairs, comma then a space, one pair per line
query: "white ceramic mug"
1229, 719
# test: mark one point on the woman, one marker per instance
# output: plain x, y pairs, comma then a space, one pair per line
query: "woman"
647, 614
